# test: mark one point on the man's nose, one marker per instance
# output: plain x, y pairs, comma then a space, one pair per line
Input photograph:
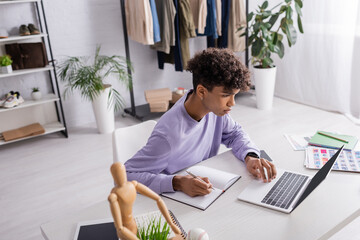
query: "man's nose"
231, 101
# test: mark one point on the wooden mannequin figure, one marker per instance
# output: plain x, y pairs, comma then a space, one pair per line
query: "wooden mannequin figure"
122, 198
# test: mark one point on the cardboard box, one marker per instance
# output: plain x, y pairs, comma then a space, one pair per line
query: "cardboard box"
159, 106
175, 97
158, 95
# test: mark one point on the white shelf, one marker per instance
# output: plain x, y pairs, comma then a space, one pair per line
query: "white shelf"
49, 128
29, 103
26, 71
17, 1
19, 38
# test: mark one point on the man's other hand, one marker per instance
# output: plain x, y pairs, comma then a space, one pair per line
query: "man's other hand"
192, 186
258, 166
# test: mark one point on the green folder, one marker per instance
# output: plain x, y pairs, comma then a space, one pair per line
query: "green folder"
331, 141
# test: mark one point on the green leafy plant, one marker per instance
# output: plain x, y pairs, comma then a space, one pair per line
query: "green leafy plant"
80, 73
155, 230
35, 89
5, 60
265, 36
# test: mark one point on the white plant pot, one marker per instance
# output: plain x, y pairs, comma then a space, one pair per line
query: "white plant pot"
36, 95
6, 69
264, 87
104, 116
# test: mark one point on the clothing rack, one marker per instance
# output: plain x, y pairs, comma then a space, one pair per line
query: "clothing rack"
142, 112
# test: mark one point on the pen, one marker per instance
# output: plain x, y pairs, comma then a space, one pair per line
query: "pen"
194, 176
327, 135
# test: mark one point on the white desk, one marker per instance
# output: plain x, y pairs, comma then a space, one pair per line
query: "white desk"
335, 203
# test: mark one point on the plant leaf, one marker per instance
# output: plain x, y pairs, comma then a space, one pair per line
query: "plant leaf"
264, 5
274, 36
273, 20
298, 9
249, 17
256, 47
283, 9
281, 48
267, 62
289, 12
290, 34
300, 24
299, 2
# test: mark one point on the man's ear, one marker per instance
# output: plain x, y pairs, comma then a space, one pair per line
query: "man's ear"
201, 91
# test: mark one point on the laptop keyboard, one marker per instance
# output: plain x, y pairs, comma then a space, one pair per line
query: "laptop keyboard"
284, 191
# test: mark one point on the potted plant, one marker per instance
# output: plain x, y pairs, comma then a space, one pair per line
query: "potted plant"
267, 28
35, 93
5, 64
155, 230
87, 75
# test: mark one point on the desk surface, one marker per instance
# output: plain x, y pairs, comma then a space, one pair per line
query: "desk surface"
329, 208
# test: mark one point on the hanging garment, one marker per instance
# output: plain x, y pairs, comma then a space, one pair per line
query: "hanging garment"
210, 29
187, 30
175, 51
222, 41
237, 19
218, 16
199, 12
155, 21
166, 14
139, 21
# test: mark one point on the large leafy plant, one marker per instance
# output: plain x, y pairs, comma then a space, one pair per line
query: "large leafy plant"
87, 75
266, 36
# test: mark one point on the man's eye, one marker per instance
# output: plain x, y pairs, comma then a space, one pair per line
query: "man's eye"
224, 96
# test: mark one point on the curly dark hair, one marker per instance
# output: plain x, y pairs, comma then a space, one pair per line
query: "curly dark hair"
215, 67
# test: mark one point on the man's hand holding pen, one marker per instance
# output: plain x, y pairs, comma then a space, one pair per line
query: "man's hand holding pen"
192, 186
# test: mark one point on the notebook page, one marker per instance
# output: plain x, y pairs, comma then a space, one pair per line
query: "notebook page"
219, 179
201, 202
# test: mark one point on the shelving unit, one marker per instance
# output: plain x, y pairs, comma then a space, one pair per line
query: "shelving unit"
26, 71
48, 110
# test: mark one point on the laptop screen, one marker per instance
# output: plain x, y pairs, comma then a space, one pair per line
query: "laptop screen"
319, 177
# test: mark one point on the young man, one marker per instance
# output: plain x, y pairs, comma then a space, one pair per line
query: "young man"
193, 129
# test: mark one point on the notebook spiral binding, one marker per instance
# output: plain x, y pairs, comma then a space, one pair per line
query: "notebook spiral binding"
177, 223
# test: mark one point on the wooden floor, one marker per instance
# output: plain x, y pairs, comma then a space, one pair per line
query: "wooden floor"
50, 176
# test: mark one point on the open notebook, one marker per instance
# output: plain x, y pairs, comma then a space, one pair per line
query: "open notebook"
220, 180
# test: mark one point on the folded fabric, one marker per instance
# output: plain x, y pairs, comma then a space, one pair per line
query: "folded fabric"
26, 131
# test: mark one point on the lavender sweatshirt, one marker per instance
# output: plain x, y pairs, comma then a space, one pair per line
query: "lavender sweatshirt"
178, 141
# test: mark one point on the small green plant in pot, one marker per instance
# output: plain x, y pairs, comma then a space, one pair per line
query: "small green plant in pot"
155, 230
5, 64
267, 28
35, 93
87, 75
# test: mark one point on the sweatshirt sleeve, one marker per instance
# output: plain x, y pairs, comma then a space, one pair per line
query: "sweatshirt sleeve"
235, 137
147, 165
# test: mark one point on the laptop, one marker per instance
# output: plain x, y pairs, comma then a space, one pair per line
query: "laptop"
288, 190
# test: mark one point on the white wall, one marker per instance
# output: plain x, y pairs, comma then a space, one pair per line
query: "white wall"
75, 28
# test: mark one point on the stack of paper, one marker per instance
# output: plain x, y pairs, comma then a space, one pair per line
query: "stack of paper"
348, 160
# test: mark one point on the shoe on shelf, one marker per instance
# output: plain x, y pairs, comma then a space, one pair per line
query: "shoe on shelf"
24, 30
13, 100
3, 99
33, 30
19, 97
